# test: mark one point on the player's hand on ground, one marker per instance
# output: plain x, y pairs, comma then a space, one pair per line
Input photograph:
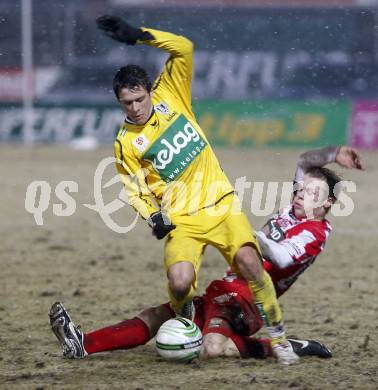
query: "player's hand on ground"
349, 158
160, 224
119, 30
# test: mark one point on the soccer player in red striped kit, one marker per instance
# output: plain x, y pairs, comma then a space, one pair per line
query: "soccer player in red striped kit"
290, 242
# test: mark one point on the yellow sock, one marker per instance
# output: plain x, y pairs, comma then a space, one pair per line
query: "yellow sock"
269, 308
178, 304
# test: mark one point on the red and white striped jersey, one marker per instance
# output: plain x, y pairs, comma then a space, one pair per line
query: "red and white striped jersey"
304, 239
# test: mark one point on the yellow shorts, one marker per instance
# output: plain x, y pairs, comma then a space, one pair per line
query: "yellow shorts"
227, 232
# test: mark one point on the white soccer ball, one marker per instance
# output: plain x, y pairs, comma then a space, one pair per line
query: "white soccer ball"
179, 339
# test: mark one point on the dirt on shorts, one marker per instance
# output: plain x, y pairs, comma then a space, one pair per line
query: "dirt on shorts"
103, 277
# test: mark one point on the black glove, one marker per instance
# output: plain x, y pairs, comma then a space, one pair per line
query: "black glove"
115, 28
160, 224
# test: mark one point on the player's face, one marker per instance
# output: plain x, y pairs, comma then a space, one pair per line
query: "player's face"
311, 199
136, 103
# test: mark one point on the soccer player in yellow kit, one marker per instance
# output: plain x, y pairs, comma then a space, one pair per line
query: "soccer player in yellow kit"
173, 178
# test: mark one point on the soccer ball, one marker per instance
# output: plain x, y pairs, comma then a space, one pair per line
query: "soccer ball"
179, 339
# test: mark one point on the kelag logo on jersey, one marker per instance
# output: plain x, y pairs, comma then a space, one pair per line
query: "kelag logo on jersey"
175, 149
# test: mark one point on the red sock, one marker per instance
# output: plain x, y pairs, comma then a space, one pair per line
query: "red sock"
125, 335
252, 347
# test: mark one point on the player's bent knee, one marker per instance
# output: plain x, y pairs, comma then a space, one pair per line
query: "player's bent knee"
180, 285
213, 345
181, 276
219, 347
212, 349
230, 349
247, 253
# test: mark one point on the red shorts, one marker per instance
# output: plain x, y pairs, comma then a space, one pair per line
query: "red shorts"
229, 300
227, 309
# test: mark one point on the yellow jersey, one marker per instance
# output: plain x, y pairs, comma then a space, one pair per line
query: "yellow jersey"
168, 164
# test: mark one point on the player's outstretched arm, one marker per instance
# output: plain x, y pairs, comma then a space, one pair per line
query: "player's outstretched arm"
177, 74
344, 156
348, 157
119, 30
315, 158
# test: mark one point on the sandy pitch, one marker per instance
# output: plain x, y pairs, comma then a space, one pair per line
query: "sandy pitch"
103, 277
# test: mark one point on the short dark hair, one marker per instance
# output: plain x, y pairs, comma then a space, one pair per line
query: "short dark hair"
129, 77
329, 176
